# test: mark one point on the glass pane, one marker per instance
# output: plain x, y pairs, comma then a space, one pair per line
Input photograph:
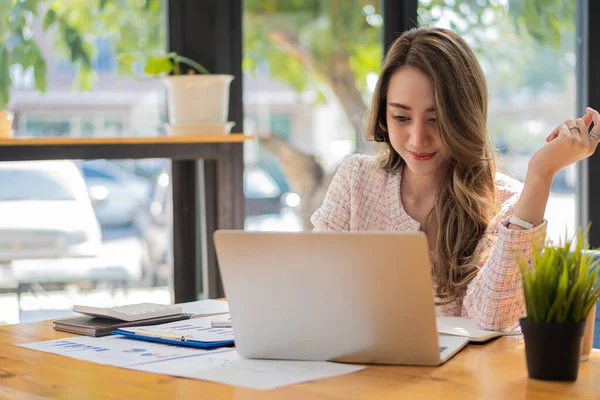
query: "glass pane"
309, 71
78, 44
67, 237
529, 63
92, 232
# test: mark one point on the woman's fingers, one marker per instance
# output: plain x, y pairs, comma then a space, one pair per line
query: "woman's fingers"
588, 142
595, 118
582, 127
595, 131
552, 135
563, 130
587, 118
574, 129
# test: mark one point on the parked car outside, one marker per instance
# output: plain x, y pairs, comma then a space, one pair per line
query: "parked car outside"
115, 192
153, 221
263, 195
45, 212
266, 209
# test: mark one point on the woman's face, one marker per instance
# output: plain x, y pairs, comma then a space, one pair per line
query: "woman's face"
412, 124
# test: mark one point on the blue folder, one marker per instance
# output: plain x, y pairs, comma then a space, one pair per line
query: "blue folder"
187, 343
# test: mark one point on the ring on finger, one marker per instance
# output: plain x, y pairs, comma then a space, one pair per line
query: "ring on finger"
573, 127
595, 135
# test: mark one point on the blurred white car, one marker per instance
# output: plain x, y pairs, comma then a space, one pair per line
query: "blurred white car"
116, 193
45, 212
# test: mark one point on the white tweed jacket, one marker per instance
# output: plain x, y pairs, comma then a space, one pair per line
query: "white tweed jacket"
363, 197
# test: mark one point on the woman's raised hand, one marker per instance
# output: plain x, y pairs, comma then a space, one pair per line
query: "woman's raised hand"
567, 143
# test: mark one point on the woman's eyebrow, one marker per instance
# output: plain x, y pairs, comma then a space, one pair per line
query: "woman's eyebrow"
407, 108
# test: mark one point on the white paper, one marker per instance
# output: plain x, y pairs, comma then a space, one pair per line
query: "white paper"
460, 326
197, 329
118, 351
232, 369
205, 307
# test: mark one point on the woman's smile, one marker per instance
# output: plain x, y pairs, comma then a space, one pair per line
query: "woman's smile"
422, 156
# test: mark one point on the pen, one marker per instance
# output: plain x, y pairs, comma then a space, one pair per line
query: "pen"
221, 324
161, 335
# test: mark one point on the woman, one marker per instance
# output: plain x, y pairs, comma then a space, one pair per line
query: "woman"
437, 174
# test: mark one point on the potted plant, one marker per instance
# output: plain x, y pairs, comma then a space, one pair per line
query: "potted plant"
560, 287
197, 101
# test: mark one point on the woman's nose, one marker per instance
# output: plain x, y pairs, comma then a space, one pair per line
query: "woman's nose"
419, 137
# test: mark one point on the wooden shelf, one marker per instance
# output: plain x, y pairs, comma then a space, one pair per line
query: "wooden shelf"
53, 141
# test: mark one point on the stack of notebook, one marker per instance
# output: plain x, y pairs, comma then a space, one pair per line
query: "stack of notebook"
96, 327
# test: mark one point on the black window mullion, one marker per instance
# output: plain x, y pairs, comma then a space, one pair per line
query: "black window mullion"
209, 32
398, 16
588, 94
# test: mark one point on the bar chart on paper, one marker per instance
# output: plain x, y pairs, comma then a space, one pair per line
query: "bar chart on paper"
114, 350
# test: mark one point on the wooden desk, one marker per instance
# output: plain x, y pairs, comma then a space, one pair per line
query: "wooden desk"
206, 182
495, 370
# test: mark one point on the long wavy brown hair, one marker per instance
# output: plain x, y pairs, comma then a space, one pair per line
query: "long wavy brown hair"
464, 202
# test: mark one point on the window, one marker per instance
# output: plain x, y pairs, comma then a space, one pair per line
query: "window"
530, 72
100, 241
48, 128
309, 72
92, 89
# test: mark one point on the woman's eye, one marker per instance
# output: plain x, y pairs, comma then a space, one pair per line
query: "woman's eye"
434, 120
400, 118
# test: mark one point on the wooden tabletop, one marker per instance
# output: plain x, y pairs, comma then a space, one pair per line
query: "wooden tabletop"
495, 370
62, 141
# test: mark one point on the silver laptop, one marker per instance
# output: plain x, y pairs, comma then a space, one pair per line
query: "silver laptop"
363, 297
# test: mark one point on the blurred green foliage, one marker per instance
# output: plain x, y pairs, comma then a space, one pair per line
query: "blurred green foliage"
130, 24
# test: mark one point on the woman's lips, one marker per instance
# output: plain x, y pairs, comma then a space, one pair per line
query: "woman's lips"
422, 156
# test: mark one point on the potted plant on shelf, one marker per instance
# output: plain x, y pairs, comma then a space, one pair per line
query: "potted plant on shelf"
561, 287
197, 101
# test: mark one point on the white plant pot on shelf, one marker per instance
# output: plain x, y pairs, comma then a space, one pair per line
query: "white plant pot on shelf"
200, 129
198, 99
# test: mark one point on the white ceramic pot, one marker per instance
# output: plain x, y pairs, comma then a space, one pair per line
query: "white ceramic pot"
198, 99
5, 124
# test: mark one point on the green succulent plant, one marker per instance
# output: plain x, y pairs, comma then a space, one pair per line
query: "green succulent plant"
159, 64
562, 285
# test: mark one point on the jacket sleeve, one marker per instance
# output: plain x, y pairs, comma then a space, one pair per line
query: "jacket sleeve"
494, 298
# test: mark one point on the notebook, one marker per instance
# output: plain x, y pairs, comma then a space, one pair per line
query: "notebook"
460, 326
97, 327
